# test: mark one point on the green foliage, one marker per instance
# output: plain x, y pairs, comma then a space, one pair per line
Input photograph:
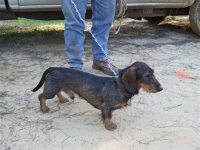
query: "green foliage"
24, 26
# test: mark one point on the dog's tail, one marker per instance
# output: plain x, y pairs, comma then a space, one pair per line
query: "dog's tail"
49, 70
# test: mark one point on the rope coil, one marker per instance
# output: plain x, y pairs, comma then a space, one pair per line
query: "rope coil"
120, 11
120, 8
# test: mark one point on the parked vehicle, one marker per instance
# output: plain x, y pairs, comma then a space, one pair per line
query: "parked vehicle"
51, 9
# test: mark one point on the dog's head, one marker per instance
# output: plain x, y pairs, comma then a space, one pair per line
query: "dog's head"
140, 76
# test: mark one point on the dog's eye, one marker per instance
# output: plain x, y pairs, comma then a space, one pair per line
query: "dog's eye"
147, 75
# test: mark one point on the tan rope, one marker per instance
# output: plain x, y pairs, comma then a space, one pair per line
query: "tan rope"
120, 11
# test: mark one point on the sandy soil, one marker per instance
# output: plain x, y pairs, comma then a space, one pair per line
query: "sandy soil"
168, 120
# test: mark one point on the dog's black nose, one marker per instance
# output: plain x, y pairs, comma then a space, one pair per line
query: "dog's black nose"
160, 88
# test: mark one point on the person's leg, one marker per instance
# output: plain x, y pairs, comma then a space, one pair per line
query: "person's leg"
102, 18
74, 13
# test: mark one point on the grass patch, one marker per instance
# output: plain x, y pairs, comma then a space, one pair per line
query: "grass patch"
23, 26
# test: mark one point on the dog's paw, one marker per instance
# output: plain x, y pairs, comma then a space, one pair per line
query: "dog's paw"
110, 126
45, 110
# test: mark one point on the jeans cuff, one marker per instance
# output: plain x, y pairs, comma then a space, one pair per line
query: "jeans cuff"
76, 66
100, 59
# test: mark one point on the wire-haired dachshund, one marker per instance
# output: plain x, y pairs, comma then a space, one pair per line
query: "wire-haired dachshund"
104, 93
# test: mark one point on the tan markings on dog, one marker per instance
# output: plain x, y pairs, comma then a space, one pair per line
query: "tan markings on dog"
147, 87
120, 105
62, 98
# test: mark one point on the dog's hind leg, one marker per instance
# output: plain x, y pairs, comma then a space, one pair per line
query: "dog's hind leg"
62, 98
49, 92
43, 106
106, 117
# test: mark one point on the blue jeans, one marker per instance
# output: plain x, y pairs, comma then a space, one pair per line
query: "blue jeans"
102, 17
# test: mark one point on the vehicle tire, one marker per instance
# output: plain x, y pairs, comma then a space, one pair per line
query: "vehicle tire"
194, 15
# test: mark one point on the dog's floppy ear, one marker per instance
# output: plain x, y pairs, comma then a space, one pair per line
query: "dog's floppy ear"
129, 80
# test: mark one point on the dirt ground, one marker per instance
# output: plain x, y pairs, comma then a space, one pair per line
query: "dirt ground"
169, 120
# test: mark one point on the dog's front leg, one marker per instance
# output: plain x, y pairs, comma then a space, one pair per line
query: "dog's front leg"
106, 117
61, 98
